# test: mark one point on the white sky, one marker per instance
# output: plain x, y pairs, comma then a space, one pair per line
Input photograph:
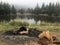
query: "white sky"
29, 3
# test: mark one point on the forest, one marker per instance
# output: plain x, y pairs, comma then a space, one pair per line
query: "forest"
50, 12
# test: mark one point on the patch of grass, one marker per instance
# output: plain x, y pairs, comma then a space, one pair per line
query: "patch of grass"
53, 27
18, 23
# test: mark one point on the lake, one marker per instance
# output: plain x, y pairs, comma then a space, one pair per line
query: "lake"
28, 18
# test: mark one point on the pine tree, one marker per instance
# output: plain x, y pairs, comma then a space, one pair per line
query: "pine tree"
37, 10
13, 10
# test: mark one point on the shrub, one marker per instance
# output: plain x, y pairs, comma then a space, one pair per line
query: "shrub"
25, 24
18, 23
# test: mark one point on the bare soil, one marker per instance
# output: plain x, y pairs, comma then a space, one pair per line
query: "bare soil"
20, 39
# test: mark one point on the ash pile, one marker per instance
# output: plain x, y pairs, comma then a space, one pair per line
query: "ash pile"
32, 32
21, 36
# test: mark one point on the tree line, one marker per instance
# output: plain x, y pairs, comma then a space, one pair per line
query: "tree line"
51, 9
50, 12
7, 12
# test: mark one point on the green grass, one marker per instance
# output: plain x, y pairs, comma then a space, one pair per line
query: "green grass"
53, 27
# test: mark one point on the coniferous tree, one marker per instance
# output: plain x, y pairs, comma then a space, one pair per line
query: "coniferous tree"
37, 10
22, 11
43, 10
13, 10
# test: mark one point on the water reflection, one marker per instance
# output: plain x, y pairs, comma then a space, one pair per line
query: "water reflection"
31, 19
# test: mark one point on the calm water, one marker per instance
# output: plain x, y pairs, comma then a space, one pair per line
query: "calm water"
28, 18
30, 21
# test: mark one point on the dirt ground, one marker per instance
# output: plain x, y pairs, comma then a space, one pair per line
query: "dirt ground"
20, 39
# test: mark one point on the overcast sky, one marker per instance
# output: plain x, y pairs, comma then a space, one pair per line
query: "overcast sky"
29, 3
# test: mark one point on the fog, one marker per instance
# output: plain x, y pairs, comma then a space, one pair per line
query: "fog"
29, 3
